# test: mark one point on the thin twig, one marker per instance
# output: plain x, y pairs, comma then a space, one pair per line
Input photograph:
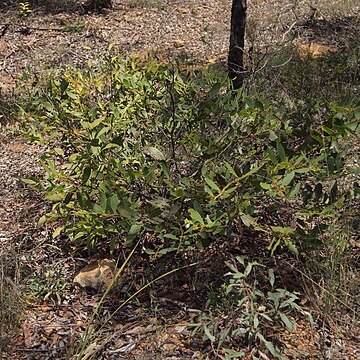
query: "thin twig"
6, 26
33, 350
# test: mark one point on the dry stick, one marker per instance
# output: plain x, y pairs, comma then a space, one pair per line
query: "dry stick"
289, 30
60, 29
284, 63
6, 26
33, 350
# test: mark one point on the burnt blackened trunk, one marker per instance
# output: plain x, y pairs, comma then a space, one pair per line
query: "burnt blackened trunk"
237, 42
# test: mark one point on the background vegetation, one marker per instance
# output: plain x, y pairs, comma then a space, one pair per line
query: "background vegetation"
250, 198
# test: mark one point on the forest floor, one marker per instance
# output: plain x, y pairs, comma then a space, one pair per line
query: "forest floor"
53, 314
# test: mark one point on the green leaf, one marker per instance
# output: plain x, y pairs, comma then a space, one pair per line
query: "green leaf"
212, 184
86, 174
166, 250
269, 345
113, 202
289, 324
331, 164
283, 230
272, 136
171, 236
57, 231
240, 259
215, 89
228, 192
98, 209
95, 123
274, 244
254, 170
265, 186
32, 182
353, 125
103, 131
230, 169
302, 170
48, 106
208, 334
271, 277
63, 85
267, 317
196, 216
248, 220
291, 246
155, 153
295, 190
256, 321
55, 196
357, 113
126, 212
135, 229
71, 95
328, 130
232, 354
149, 251
281, 151
248, 269
59, 151
68, 196
42, 220
272, 156
159, 202
288, 178
103, 201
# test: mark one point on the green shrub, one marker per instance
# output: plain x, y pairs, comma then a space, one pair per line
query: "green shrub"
153, 151
252, 309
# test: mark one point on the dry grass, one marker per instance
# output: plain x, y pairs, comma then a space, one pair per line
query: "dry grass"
10, 299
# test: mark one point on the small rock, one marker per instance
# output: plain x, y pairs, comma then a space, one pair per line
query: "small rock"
179, 43
96, 276
63, 20
169, 346
183, 10
3, 46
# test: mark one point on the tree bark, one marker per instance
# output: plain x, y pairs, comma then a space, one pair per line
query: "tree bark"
237, 42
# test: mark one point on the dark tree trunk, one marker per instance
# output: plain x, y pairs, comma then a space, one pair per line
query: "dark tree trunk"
237, 42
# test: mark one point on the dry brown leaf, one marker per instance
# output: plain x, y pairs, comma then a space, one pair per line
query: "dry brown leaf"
27, 334
316, 50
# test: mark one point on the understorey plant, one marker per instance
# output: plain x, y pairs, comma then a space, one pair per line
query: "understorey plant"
148, 151
245, 319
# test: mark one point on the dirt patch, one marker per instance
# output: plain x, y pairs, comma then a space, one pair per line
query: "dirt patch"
196, 29
19, 205
7, 83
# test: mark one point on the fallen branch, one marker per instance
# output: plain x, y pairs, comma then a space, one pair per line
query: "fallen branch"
6, 26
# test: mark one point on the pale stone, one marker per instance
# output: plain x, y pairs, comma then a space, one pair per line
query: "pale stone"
96, 276
179, 43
